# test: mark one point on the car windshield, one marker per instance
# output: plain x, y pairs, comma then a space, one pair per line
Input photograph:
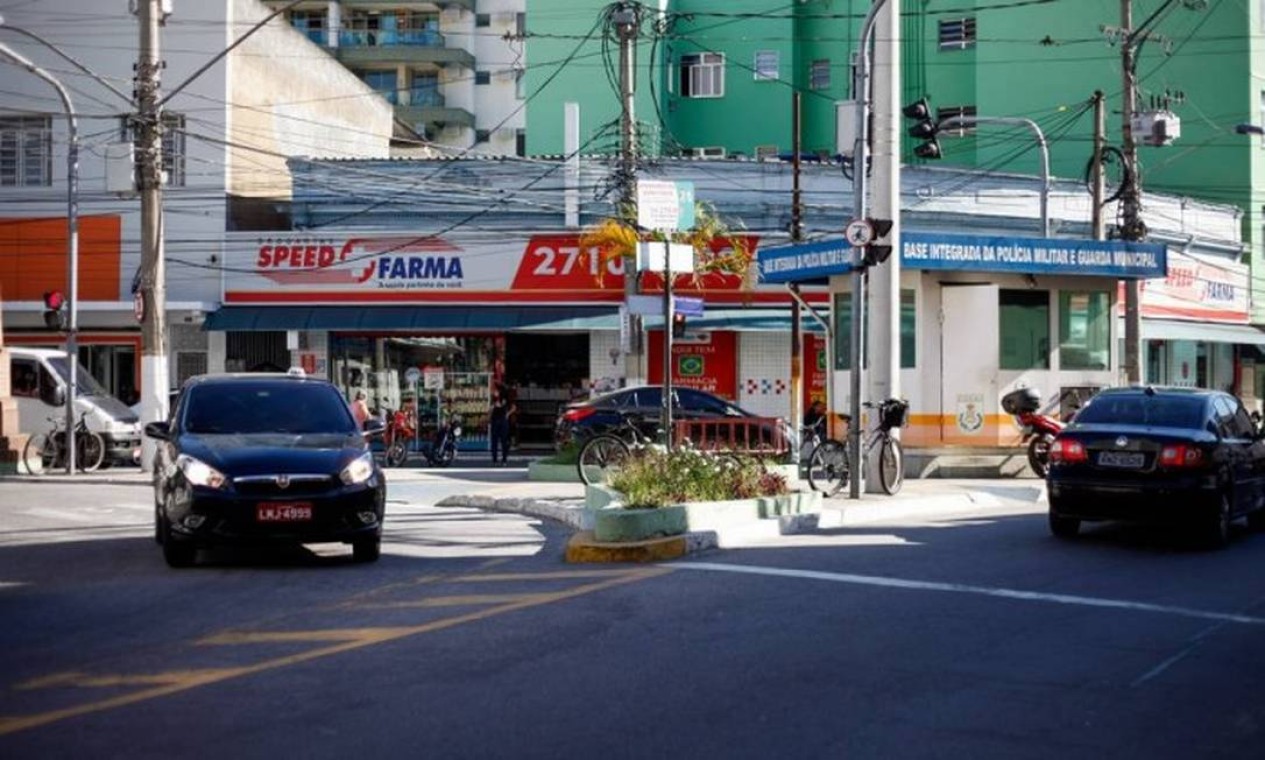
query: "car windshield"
87, 385
1138, 409
266, 407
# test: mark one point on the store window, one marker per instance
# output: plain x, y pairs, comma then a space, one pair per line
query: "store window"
1084, 330
1025, 329
843, 330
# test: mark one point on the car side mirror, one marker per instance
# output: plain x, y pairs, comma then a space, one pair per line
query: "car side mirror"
159, 431
373, 426
58, 396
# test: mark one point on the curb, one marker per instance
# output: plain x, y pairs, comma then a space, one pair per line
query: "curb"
91, 479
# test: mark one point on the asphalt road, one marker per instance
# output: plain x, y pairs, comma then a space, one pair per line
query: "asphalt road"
970, 634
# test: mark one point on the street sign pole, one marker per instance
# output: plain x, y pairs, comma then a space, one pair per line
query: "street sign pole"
667, 345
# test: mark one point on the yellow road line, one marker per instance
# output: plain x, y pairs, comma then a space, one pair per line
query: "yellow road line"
457, 601
284, 637
187, 680
557, 575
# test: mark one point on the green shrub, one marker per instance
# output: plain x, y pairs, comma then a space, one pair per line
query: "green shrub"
654, 478
569, 454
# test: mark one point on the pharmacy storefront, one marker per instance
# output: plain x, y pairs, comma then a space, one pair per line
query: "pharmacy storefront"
437, 324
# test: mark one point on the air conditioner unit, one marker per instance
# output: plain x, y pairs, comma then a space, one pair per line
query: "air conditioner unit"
715, 152
120, 168
765, 152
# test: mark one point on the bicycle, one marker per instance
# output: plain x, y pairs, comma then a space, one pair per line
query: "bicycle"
607, 452
49, 449
827, 460
829, 464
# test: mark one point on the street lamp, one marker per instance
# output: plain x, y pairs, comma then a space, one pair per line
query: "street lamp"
953, 121
72, 233
1249, 129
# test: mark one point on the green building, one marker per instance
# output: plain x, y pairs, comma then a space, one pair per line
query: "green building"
715, 79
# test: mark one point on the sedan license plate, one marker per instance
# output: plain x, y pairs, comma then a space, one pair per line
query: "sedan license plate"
1127, 459
288, 511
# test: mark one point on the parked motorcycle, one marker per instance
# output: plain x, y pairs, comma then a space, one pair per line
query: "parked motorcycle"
400, 430
444, 449
1038, 429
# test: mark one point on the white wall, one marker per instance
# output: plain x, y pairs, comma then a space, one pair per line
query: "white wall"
764, 373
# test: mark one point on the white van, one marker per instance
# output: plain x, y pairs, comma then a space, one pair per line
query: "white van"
39, 377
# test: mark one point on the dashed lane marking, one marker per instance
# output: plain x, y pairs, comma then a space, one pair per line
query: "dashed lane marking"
1003, 593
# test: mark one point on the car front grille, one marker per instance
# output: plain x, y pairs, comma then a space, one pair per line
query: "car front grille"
295, 485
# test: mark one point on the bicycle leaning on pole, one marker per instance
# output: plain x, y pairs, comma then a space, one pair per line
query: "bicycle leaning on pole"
829, 466
49, 449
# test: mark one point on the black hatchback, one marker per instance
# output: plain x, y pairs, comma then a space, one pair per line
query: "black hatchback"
1159, 455
264, 459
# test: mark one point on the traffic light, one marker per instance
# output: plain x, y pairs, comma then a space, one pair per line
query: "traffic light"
877, 252
924, 129
55, 310
678, 325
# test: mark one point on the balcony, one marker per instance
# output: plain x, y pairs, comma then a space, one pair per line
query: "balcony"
358, 48
418, 5
434, 117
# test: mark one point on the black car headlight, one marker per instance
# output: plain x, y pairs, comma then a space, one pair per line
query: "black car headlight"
200, 473
358, 470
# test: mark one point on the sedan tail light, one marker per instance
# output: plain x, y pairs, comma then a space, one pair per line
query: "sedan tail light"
1181, 455
578, 413
1068, 451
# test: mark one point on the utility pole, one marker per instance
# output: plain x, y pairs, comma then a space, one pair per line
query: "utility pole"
153, 279
627, 28
1100, 141
1131, 227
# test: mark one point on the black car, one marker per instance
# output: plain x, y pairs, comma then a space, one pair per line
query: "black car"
643, 405
264, 459
1159, 455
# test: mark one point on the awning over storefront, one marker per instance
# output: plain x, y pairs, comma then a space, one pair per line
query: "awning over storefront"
481, 318
1208, 332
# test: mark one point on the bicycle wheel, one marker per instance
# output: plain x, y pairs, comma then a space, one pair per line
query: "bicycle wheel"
828, 467
40, 454
89, 450
600, 457
891, 466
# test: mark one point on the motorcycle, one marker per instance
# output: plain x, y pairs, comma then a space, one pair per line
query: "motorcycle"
400, 430
444, 449
1038, 430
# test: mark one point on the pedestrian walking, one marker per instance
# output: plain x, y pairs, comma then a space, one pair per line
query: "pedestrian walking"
502, 410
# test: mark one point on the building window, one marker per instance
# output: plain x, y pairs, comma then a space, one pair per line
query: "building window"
482, 136
1025, 329
173, 139
766, 65
1084, 330
957, 34
703, 75
383, 83
482, 20
311, 24
959, 130
26, 151
843, 330
482, 77
520, 142
819, 74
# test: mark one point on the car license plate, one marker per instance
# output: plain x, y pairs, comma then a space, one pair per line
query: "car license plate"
289, 511
1133, 459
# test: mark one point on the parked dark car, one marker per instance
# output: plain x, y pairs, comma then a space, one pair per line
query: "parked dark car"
643, 405
264, 459
1159, 455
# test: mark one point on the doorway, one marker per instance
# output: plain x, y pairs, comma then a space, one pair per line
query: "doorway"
544, 371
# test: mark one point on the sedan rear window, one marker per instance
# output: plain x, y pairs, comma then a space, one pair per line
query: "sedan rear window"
249, 408
1154, 411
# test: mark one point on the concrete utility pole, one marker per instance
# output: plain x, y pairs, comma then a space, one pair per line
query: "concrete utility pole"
797, 234
1131, 227
153, 294
1100, 141
626, 26
72, 243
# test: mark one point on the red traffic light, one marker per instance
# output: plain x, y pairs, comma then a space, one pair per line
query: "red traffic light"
54, 300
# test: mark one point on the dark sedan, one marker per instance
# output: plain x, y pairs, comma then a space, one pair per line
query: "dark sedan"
643, 405
1159, 455
264, 459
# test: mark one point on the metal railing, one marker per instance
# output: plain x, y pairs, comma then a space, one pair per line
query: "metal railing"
742, 435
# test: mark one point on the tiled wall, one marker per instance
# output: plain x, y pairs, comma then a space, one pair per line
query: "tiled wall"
602, 370
764, 373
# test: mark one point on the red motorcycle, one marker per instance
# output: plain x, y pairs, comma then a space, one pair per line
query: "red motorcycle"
400, 430
1038, 429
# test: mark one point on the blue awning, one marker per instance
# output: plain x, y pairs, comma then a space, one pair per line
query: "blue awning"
481, 318
418, 318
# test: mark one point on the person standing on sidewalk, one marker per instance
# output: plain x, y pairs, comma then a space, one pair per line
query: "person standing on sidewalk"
360, 409
502, 409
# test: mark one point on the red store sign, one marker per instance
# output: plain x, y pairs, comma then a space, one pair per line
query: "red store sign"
704, 361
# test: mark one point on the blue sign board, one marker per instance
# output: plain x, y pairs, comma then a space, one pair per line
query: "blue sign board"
807, 261
687, 305
1106, 258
